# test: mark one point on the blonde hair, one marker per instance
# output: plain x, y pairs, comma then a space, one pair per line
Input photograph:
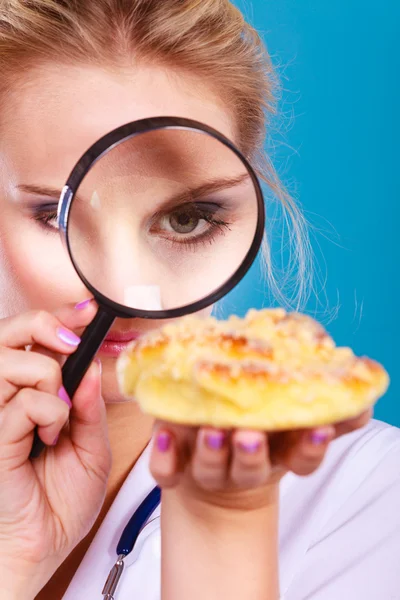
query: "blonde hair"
207, 38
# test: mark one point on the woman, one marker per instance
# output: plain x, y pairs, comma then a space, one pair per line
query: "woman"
71, 72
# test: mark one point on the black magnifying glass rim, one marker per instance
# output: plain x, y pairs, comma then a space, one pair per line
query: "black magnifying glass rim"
102, 147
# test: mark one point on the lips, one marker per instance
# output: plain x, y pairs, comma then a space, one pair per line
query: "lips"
117, 341
122, 336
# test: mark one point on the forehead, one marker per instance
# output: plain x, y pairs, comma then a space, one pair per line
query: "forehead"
59, 112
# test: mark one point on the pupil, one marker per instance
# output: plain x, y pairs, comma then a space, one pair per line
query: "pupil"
184, 222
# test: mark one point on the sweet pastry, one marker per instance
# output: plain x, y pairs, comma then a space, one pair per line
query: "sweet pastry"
272, 370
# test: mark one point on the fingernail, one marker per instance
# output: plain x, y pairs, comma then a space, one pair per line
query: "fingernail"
163, 441
215, 440
62, 393
319, 436
68, 337
83, 304
250, 447
56, 440
249, 443
98, 362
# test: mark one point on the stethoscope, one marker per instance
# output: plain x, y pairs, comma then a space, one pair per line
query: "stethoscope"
128, 539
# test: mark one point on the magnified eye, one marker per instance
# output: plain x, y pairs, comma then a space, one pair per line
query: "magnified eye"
183, 221
190, 223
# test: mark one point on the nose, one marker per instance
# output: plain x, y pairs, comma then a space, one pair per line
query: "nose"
120, 265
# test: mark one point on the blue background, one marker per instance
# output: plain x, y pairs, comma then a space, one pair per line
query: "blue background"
337, 148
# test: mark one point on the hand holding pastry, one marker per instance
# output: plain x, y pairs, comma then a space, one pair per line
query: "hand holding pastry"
217, 387
222, 466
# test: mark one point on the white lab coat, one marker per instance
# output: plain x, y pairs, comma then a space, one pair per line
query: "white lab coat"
339, 528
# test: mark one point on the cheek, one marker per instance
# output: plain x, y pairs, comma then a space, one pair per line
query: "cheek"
35, 271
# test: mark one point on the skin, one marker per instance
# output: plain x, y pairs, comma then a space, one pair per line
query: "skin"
56, 115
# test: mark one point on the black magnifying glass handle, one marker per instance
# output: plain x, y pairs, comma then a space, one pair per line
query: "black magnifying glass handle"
78, 363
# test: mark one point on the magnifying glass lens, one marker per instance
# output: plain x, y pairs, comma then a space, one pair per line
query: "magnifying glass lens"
163, 219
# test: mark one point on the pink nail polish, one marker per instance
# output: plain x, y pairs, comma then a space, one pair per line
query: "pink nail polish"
62, 393
163, 441
215, 440
56, 440
82, 305
68, 337
319, 437
250, 447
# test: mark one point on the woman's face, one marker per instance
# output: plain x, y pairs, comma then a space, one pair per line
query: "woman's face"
47, 124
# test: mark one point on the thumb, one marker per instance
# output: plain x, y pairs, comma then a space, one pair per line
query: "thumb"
88, 421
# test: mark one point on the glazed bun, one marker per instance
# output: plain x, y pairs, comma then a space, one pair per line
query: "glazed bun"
271, 370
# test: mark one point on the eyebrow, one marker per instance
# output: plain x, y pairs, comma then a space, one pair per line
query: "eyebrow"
39, 190
203, 190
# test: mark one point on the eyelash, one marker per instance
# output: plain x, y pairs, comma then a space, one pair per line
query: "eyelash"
217, 227
44, 215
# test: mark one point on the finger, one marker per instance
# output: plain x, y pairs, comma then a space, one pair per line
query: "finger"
164, 461
77, 315
74, 317
251, 465
27, 369
210, 458
42, 351
30, 408
304, 452
88, 421
353, 424
37, 327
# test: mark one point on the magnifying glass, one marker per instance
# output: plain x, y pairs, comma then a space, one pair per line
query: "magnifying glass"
161, 217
